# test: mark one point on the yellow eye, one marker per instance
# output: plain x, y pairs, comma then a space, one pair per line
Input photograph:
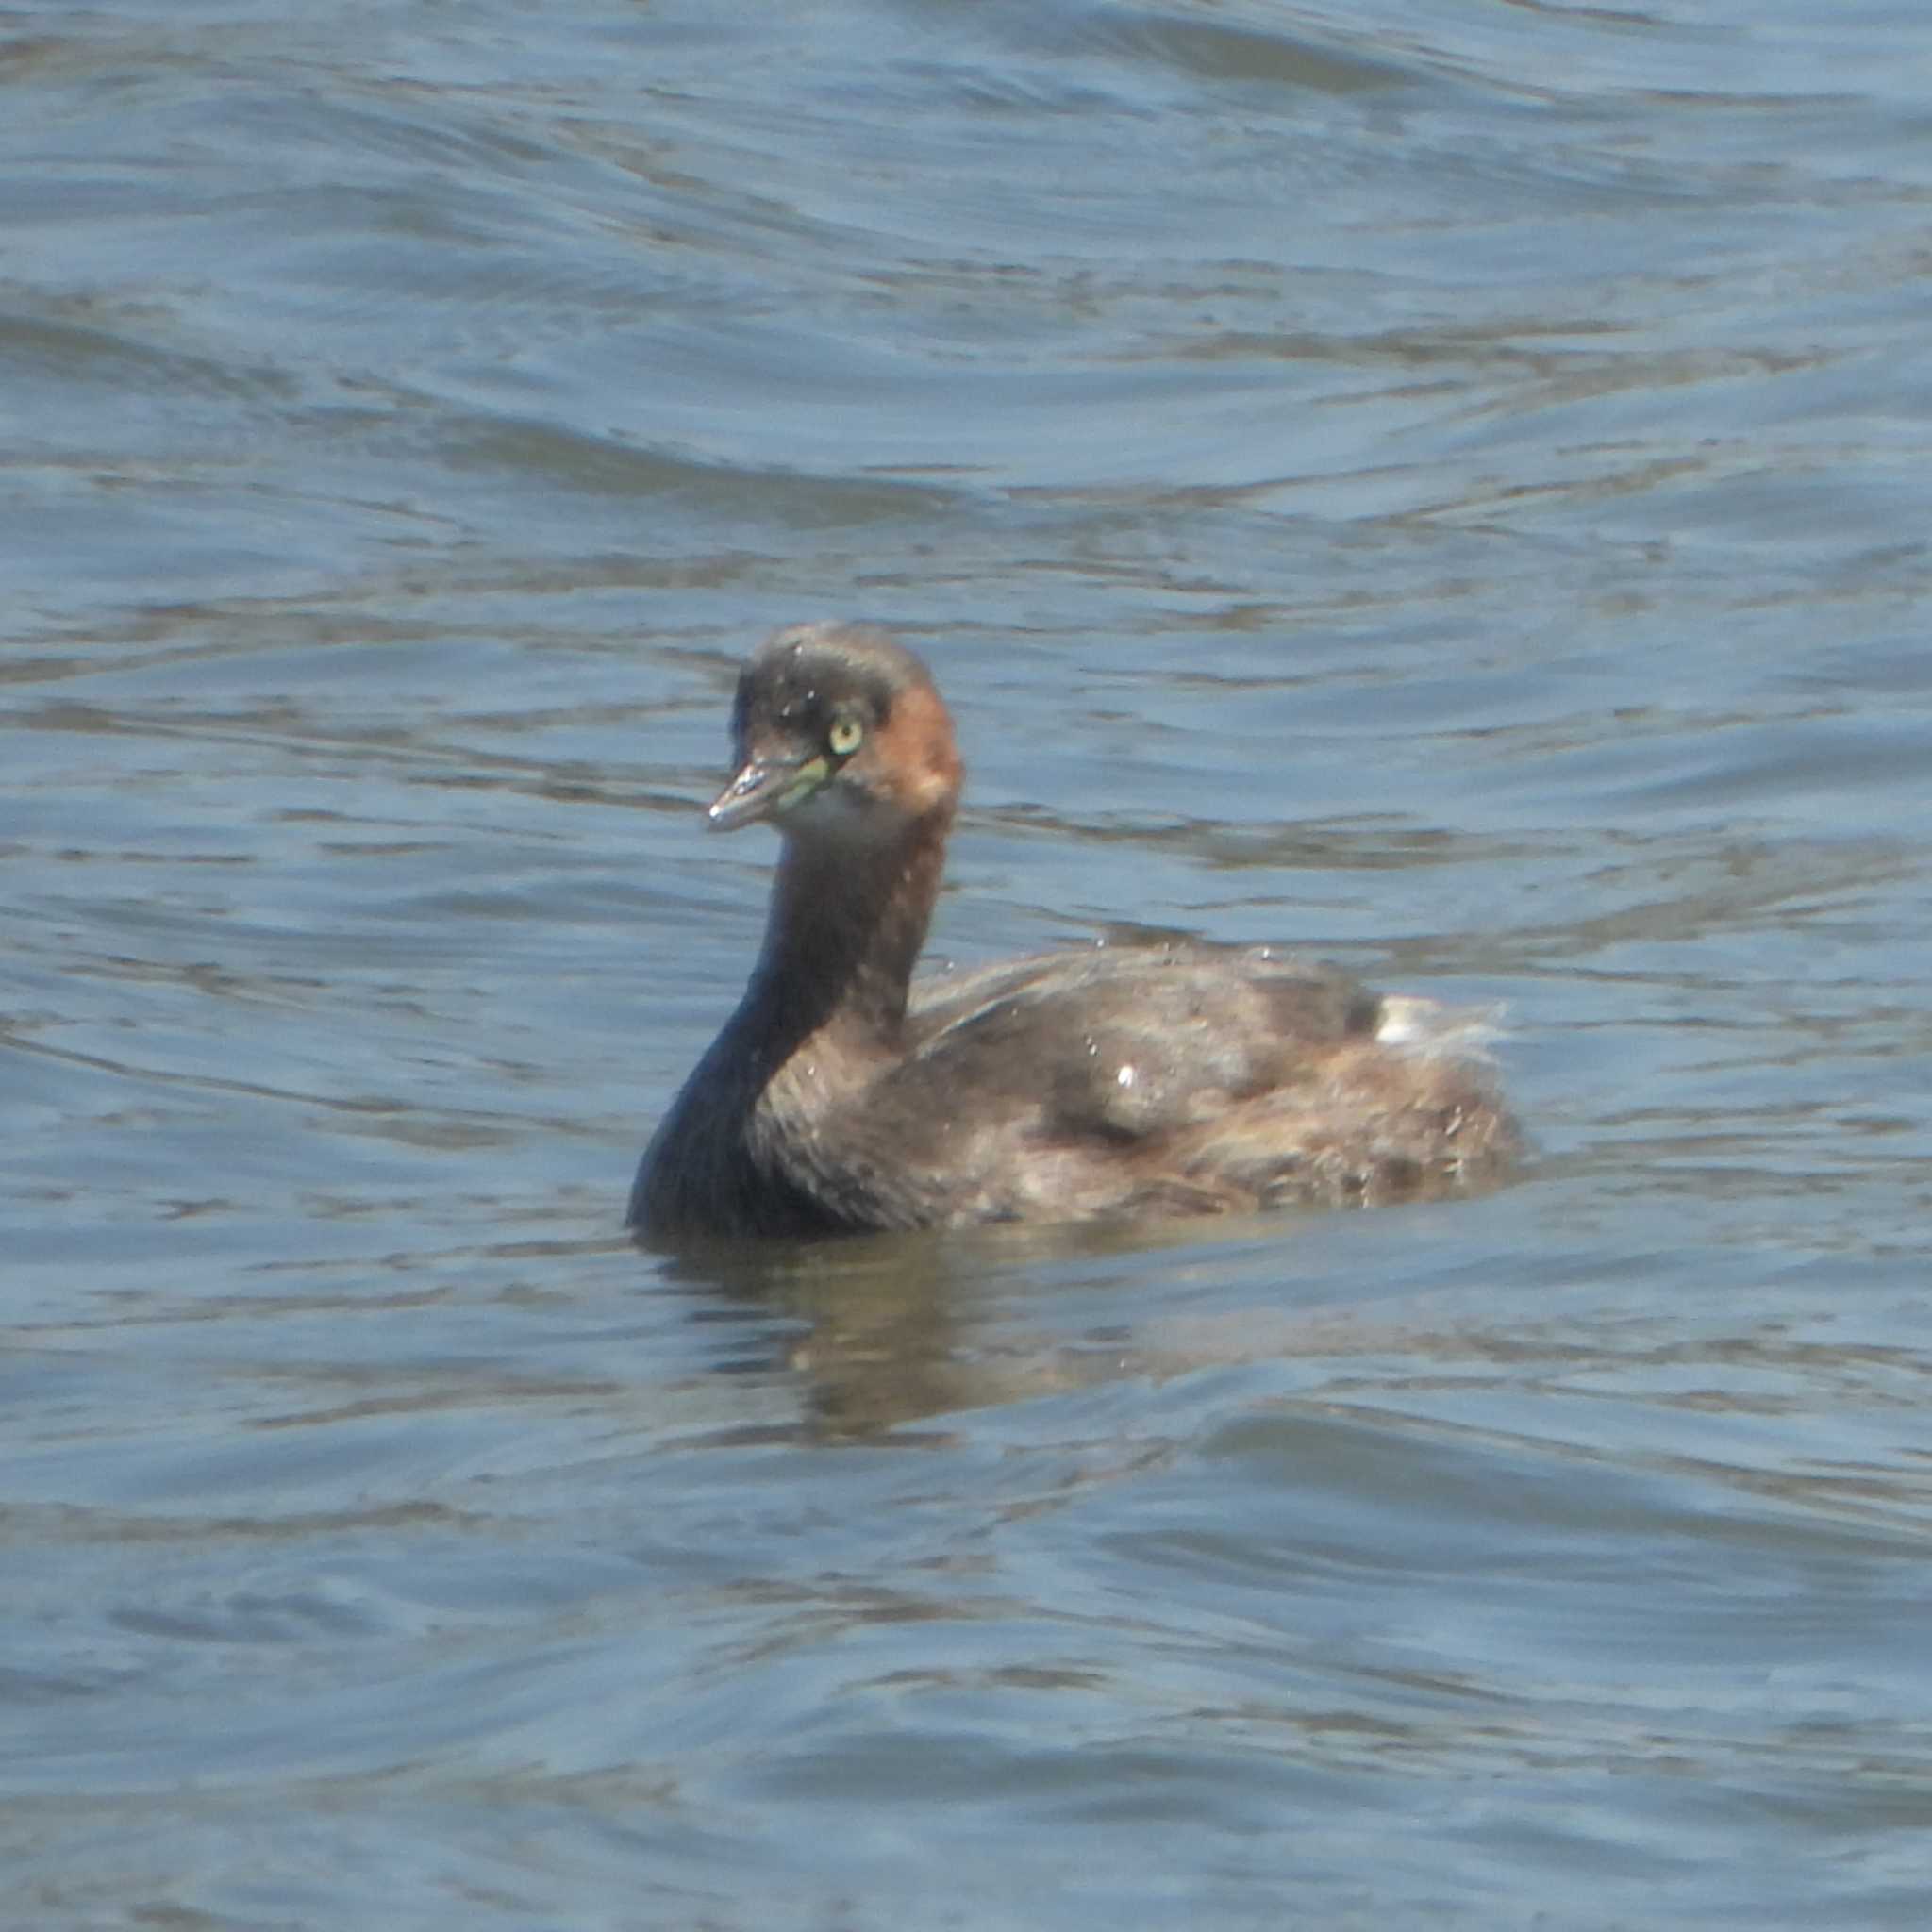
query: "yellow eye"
844, 736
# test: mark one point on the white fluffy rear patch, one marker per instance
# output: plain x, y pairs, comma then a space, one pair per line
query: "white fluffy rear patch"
1417, 1025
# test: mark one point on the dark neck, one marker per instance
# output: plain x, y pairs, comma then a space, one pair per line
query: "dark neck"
846, 925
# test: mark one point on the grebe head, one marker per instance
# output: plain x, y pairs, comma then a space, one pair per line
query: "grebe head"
839, 734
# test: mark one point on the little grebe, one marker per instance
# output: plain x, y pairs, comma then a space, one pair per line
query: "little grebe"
1161, 1080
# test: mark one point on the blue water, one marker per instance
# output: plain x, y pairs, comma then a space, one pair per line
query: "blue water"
1443, 486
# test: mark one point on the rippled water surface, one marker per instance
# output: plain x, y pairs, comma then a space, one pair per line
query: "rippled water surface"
1443, 485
